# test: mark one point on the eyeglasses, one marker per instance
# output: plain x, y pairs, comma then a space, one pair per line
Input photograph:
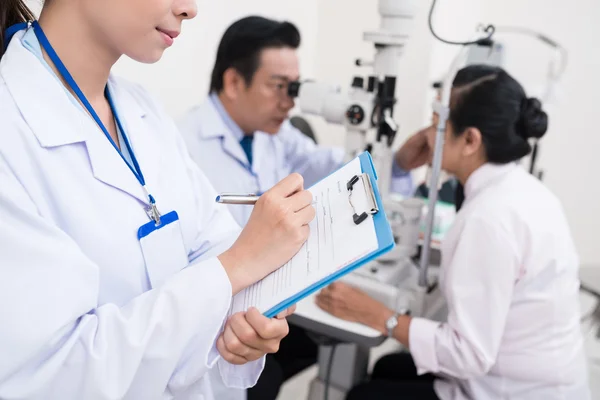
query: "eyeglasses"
279, 88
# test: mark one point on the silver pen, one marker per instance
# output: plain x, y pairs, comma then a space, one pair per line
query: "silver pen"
244, 199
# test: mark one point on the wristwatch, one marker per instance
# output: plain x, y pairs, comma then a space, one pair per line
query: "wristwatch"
392, 322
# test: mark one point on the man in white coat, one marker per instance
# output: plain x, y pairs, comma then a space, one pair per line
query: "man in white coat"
240, 135
241, 138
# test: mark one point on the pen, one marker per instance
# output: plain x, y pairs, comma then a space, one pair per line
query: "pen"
247, 199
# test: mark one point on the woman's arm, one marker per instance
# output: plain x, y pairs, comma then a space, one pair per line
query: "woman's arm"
479, 280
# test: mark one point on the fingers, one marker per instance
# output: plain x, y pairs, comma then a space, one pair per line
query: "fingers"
227, 355
427, 129
289, 185
325, 303
336, 294
306, 215
325, 295
335, 289
420, 138
299, 201
325, 292
242, 342
267, 328
243, 331
287, 312
333, 302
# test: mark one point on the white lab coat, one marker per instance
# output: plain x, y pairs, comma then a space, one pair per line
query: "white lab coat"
510, 277
216, 149
77, 317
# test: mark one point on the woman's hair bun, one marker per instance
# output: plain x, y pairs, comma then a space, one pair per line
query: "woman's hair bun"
533, 122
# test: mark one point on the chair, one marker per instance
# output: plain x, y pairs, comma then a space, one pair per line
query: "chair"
303, 126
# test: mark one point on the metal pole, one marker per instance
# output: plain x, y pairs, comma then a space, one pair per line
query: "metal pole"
443, 113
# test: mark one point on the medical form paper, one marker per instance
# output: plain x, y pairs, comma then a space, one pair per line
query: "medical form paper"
334, 242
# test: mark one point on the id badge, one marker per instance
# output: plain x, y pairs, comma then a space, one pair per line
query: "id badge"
163, 248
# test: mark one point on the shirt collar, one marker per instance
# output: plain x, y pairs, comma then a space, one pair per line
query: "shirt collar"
31, 43
485, 175
229, 123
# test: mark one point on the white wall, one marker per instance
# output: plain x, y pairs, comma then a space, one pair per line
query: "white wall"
573, 140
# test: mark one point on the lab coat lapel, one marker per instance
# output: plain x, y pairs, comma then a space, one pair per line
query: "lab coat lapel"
234, 149
33, 95
146, 149
259, 147
265, 164
212, 125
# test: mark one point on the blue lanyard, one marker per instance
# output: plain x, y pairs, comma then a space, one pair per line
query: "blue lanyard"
10, 32
62, 69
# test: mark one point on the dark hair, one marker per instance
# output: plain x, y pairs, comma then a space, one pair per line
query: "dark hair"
12, 12
242, 43
489, 99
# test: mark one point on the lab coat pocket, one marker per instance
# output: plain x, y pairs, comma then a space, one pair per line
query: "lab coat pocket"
163, 248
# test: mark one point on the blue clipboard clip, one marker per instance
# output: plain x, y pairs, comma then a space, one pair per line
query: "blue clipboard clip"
372, 207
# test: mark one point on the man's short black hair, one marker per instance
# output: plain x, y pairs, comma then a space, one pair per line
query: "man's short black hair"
242, 43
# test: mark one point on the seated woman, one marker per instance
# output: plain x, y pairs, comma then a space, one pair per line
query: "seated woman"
509, 270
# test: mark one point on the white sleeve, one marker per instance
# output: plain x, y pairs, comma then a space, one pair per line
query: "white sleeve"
479, 287
211, 242
310, 160
56, 342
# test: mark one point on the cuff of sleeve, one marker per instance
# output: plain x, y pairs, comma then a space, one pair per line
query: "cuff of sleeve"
422, 342
397, 171
401, 182
241, 376
201, 353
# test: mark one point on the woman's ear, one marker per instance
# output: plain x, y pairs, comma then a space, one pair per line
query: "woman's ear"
473, 142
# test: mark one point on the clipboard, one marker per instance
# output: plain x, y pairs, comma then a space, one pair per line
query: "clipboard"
366, 181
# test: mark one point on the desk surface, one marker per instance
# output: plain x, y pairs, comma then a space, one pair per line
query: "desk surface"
590, 279
309, 316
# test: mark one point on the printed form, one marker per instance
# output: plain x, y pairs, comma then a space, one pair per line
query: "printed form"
334, 242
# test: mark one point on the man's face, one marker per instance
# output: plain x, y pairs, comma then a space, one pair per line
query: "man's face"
264, 104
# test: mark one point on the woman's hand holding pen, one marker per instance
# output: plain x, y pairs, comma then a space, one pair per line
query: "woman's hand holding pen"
276, 230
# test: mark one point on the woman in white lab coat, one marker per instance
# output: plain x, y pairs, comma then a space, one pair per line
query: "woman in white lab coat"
509, 270
117, 269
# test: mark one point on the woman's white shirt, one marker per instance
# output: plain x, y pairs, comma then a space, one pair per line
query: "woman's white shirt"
80, 319
510, 277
